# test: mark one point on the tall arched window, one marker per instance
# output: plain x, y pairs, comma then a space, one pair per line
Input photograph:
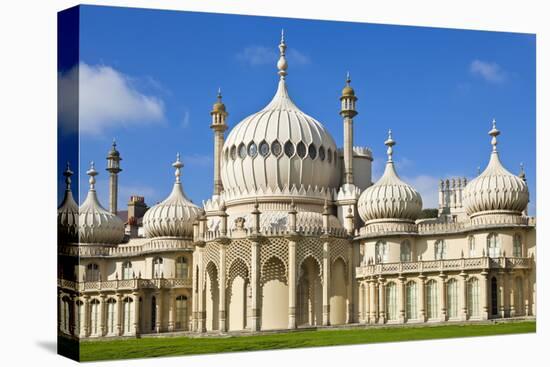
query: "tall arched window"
440, 249
519, 300
94, 317
391, 301
493, 245
432, 299
65, 314
473, 297
406, 254
181, 312
381, 252
128, 318
127, 272
471, 246
157, 267
411, 301
111, 308
182, 270
79, 318
92, 273
452, 298
517, 246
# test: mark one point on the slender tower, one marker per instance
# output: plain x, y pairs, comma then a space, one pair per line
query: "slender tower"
113, 167
219, 126
348, 112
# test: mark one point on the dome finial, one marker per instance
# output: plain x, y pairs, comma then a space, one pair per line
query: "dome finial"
282, 65
522, 172
219, 95
390, 143
177, 165
494, 133
92, 173
68, 173
348, 78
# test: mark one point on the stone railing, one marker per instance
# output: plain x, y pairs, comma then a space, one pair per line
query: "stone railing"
476, 263
276, 232
124, 250
125, 284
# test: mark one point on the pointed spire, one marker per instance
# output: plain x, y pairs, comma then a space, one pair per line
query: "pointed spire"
92, 173
390, 143
494, 133
178, 166
282, 64
348, 79
68, 173
219, 96
522, 172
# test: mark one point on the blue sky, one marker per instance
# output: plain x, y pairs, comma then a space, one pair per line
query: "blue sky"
149, 79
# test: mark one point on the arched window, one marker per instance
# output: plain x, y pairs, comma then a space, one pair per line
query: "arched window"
440, 250
391, 301
94, 317
252, 149
264, 149
127, 270
473, 297
233, 152
471, 246
157, 267
432, 299
92, 273
276, 148
181, 312
301, 149
182, 270
493, 245
517, 246
381, 252
519, 300
321, 153
111, 307
242, 151
289, 149
406, 251
452, 298
312, 151
411, 301
79, 316
128, 318
65, 314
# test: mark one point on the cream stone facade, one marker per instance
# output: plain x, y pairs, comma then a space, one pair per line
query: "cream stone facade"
294, 235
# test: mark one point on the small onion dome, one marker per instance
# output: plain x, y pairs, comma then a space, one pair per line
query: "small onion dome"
348, 90
495, 190
174, 216
113, 152
218, 106
390, 198
96, 224
67, 213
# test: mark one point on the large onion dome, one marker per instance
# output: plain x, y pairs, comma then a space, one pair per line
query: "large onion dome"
96, 224
174, 216
389, 198
279, 147
67, 213
495, 190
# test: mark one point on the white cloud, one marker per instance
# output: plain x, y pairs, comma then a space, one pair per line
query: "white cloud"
261, 55
490, 71
186, 121
198, 160
428, 187
107, 99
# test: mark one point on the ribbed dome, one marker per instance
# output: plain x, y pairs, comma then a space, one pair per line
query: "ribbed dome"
495, 189
96, 224
279, 146
174, 216
67, 213
390, 197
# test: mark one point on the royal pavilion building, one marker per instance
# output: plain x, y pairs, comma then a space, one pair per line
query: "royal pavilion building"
295, 235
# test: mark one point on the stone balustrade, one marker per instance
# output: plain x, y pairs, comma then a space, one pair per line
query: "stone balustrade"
146, 246
125, 284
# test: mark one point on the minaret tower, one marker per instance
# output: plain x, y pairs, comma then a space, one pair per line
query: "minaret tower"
348, 112
113, 167
219, 126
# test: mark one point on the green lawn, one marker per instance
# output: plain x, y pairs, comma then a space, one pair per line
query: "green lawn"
175, 346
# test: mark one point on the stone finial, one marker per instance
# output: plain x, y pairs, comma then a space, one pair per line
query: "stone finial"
390, 143
494, 132
178, 166
92, 173
68, 173
282, 64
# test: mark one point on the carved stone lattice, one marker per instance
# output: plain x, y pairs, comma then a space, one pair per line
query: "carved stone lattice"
310, 247
237, 268
339, 249
274, 247
212, 254
273, 269
239, 249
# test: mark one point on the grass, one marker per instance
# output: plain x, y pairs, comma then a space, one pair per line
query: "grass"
183, 345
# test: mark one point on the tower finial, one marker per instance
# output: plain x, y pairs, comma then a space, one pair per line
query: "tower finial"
92, 173
219, 94
177, 165
494, 133
68, 173
390, 143
522, 172
282, 65
348, 78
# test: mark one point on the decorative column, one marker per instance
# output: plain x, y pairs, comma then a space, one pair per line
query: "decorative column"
401, 299
347, 111
463, 296
361, 301
159, 304
201, 314
137, 313
512, 287
526, 294
219, 126
422, 297
73, 330
102, 315
221, 307
85, 322
373, 304
443, 296
113, 167
366, 301
171, 310
349, 286
119, 314
326, 282
254, 280
381, 301
292, 282
501, 293
194, 291
484, 297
